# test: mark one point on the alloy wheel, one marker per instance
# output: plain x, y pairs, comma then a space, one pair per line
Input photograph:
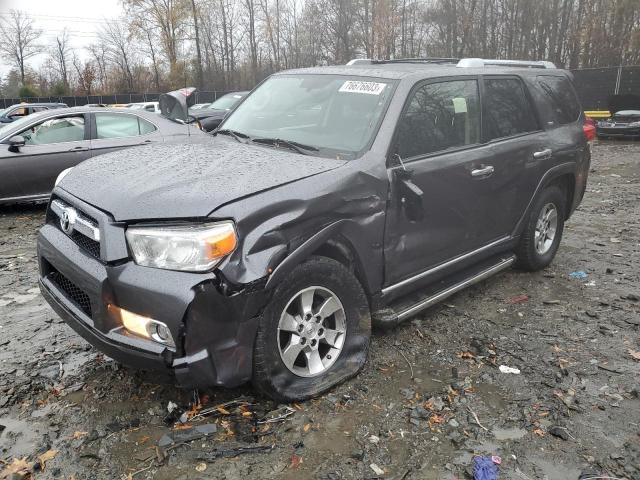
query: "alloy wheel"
546, 228
311, 331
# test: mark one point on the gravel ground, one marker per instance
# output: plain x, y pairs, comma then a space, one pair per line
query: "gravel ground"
430, 398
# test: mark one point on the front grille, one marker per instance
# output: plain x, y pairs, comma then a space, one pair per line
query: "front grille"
87, 244
73, 292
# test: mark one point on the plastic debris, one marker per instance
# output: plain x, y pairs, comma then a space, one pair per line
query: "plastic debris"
578, 274
484, 468
183, 436
377, 470
505, 369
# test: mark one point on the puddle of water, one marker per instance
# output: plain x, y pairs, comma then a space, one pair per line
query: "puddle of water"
19, 438
554, 470
501, 434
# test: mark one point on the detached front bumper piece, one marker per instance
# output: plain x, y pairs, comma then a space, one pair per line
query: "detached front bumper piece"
213, 332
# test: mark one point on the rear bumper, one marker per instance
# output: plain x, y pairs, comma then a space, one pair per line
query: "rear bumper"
214, 332
618, 131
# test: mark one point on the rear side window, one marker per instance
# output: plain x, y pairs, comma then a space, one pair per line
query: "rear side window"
562, 98
440, 116
506, 111
114, 125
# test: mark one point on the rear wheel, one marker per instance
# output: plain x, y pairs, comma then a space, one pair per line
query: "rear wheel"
543, 231
314, 333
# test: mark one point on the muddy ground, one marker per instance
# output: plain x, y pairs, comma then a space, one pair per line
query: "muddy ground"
430, 398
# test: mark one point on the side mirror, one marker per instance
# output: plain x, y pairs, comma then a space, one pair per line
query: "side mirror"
16, 142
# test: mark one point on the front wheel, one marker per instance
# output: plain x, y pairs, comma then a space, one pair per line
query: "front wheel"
542, 233
313, 334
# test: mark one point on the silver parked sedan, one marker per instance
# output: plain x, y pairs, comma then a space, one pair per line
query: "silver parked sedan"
35, 149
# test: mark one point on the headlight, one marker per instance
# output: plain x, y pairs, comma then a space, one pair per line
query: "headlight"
61, 175
193, 248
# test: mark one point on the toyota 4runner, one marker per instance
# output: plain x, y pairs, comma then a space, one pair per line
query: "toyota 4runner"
329, 199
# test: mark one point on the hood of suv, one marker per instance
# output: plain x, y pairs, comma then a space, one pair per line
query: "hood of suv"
185, 180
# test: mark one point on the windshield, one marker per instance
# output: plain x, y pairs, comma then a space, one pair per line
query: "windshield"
335, 114
226, 102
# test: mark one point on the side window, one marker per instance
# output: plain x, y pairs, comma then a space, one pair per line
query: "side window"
150, 108
115, 125
562, 98
38, 109
19, 112
56, 130
506, 109
440, 116
146, 127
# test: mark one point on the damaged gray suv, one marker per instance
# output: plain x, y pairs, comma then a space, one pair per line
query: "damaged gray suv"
329, 199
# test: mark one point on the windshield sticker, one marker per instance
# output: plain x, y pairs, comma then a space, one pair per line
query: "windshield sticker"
370, 88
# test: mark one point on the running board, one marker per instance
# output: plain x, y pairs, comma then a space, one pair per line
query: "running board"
389, 317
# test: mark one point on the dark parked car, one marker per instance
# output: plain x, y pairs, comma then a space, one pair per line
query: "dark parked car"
210, 117
15, 112
329, 198
36, 149
624, 120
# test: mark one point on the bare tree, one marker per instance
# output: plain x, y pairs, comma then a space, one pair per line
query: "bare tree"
19, 40
60, 54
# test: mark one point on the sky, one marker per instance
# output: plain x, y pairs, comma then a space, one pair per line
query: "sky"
82, 18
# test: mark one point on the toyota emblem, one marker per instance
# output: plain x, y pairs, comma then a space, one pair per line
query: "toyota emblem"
68, 220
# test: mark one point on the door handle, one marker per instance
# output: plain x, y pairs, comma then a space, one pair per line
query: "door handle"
79, 149
543, 154
483, 172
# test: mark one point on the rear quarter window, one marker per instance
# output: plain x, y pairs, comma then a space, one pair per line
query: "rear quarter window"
561, 97
507, 110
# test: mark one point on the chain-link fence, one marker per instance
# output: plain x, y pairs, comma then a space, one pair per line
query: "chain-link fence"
596, 85
78, 101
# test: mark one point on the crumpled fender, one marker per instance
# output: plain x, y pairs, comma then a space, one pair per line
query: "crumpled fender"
280, 228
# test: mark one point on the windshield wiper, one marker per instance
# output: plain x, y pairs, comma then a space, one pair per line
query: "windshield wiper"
298, 147
237, 135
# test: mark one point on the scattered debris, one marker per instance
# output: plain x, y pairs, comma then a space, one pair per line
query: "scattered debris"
484, 468
376, 469
523, 298
579, 275
505, 369
187, 435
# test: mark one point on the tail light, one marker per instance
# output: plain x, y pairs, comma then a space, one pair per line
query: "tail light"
589, 129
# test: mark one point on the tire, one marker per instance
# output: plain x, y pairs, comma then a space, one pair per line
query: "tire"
318, 279
533, 255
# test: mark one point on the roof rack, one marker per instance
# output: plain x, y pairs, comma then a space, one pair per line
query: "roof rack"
433, 60
482, 62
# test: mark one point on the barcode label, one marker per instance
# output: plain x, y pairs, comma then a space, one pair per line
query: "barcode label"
370, 88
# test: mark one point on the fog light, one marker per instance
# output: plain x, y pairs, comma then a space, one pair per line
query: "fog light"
143, 326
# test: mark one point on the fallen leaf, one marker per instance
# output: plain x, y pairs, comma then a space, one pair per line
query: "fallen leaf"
247, 414
183, 426
46, 456
518, 299
223, 411
296, 460
465, 355
18, 466
297, 406
78, 434
201, 467
635, 355
307, 427
539, 432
